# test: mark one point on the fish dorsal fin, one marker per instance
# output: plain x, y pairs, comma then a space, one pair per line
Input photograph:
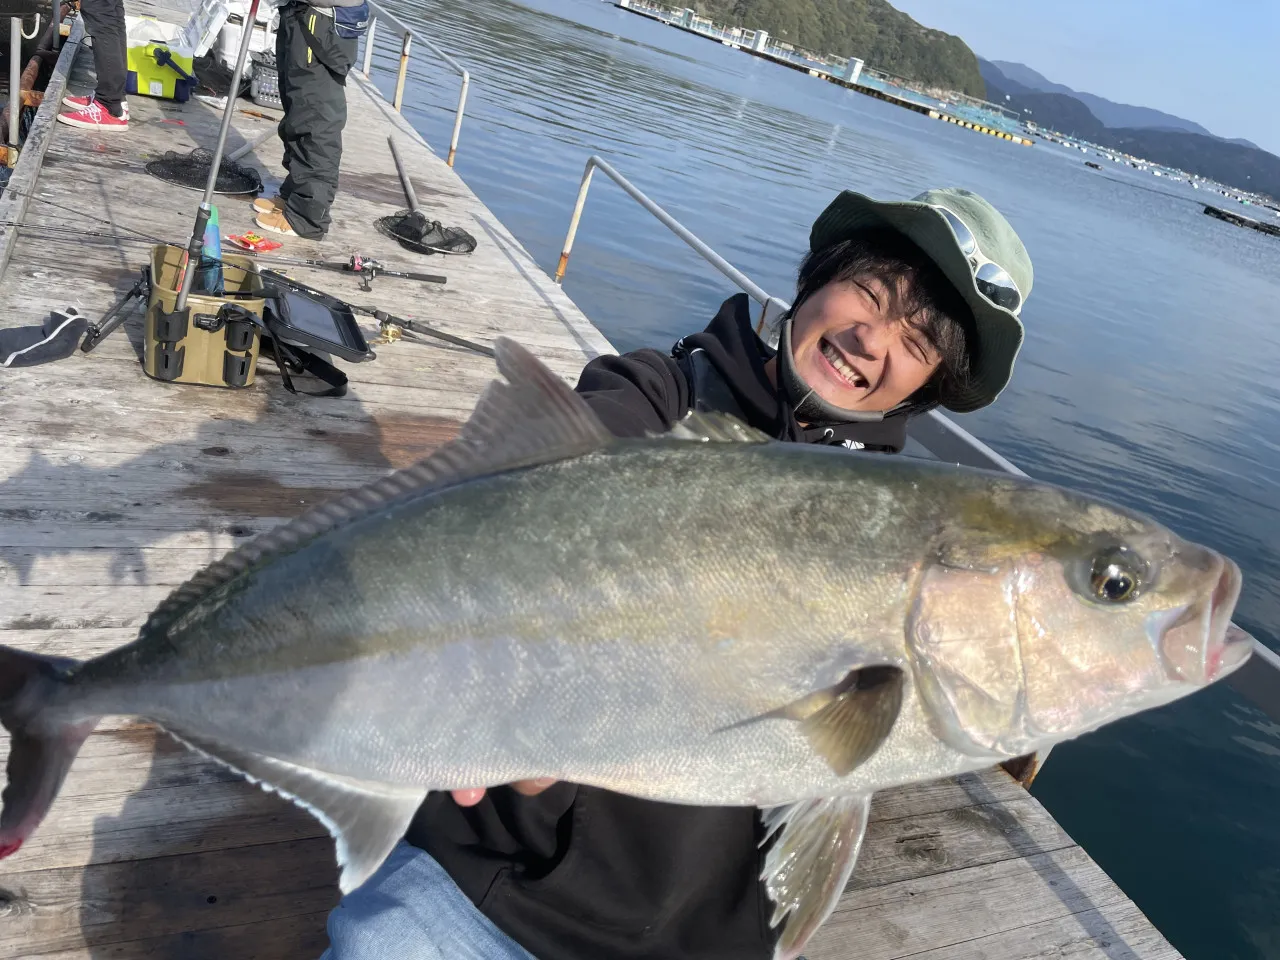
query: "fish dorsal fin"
703, 427
807, 867
532, 418
365, 819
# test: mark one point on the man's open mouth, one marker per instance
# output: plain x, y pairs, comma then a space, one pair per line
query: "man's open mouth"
842, 366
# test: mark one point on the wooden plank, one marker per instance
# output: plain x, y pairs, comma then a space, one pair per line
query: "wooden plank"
160, 822
66, 608
985, 786
943, 909
289, 938
1118, 931
100, 567
124, 756
70, 908
950, 840
80, 644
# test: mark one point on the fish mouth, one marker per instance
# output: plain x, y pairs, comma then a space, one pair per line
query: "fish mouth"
1202, 645
843, 368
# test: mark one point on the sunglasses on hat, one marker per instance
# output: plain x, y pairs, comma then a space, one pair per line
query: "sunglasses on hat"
991, 279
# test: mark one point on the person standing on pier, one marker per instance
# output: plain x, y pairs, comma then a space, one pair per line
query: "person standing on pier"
105, 108
315, 50
900, 307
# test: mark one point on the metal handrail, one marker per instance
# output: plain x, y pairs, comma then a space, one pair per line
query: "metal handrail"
15, 83
407, 36
675, 226
1258, 680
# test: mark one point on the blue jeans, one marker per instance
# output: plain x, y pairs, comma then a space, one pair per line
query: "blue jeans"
410, 909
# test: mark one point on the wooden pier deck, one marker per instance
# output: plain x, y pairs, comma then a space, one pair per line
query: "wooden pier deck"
114, 489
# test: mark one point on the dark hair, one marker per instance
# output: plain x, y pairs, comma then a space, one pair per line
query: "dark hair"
920, 294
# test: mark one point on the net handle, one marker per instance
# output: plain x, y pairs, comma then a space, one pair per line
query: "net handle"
409, 193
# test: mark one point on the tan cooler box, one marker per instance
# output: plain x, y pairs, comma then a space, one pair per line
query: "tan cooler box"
205, 344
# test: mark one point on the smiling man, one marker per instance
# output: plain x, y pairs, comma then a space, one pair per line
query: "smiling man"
900, 307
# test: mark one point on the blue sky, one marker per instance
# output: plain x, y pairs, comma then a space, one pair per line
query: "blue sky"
1213, 61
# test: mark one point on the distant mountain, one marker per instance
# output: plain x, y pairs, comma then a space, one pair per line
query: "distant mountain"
1111, 114
871, 30
1238, 163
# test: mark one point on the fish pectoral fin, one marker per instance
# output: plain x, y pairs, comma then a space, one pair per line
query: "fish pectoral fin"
849, 729
365, 819
703, 427
847, 723
806, 869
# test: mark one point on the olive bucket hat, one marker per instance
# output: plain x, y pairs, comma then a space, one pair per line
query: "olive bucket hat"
975, 247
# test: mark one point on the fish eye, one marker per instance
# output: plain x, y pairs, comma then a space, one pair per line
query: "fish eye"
1116, 575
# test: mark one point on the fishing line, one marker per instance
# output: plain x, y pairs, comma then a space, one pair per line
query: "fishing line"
139, 236
382, 316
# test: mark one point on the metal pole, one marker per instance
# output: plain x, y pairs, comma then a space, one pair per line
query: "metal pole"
252, 145
56, 39
404, 70
15, 84
573, 221
368, 46
196, 245
745, 283
457, 117
409, 193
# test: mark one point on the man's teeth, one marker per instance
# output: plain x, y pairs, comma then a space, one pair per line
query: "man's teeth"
842, 367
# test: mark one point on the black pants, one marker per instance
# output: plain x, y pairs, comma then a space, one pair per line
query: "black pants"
313, 72
104, 21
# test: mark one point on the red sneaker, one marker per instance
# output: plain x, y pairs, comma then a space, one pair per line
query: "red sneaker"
94, 117
79, 103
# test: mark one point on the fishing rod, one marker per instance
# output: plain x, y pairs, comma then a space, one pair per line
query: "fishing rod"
366, 268
195, 246
388, 322
117, 314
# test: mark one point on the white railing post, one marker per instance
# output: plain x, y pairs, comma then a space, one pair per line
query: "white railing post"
457, 117
368, 45
573, 221
15, 85
406, 43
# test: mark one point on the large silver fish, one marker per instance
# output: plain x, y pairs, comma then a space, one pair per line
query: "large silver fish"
705, 618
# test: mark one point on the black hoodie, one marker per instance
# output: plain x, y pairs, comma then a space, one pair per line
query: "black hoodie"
648, 391
579, 873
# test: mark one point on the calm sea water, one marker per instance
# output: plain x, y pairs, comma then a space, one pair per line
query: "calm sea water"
1149, 372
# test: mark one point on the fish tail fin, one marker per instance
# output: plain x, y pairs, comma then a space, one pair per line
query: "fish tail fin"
41, 745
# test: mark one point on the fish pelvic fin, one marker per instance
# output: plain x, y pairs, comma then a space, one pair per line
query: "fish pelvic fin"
532, 418
365, 819
816, 844
41, 746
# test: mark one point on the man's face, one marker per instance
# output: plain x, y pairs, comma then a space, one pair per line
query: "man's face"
854, 349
